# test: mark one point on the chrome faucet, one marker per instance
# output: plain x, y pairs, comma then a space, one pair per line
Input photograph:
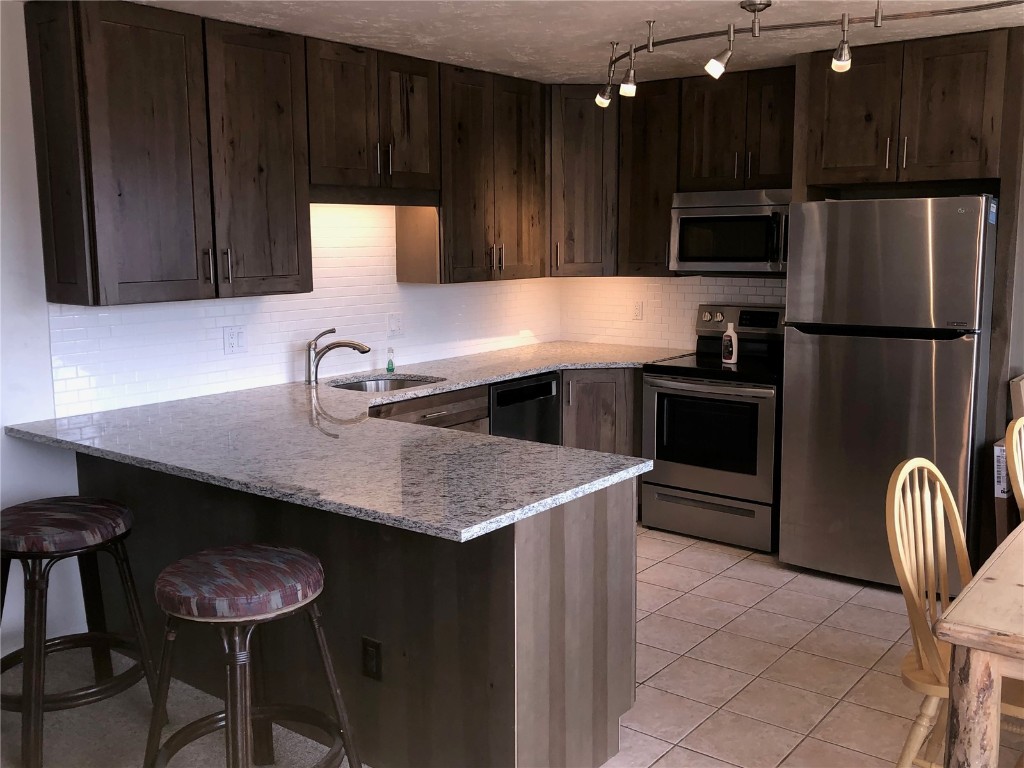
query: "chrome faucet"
315, 354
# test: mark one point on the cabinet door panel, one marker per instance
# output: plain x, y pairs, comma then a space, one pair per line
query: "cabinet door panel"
951, 110
854, 117
409, 122
770, 103
467, 135
146, 99
649, 155
598, 410
520, 211
712, 148
344, 143
260, 161
584, 186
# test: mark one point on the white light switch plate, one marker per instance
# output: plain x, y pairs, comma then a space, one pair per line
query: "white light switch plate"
235, 340
394, 324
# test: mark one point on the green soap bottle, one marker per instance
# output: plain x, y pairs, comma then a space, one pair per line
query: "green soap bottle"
391, 360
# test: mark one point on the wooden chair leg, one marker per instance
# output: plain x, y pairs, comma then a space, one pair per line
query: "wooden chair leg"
95, 614
238, 701
935, 746
37, 573
332, 681
163, 685
919, 731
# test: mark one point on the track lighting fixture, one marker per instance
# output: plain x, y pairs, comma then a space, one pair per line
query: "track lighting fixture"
604, 96
878, 14
842, 58
628, 86
650, 35
716, 66
755, 7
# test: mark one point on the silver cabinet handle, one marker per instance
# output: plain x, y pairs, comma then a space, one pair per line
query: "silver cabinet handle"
906, 140
568, 388
434, 415
888, 140
557, 262
227, 256
390, 157
501, 257
493, 251
209, 255
736, 165
378, 158
750, 163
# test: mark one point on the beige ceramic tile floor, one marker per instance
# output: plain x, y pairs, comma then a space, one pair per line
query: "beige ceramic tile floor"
743, 661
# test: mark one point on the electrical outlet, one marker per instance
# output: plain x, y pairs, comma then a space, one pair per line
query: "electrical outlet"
394, 324
373, 666
235, 340
638, 310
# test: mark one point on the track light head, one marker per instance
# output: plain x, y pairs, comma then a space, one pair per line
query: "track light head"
628, 86
842, 58
717, 64
878, 14
604, 96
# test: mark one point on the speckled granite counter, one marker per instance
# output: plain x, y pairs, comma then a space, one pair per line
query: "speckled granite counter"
319, 449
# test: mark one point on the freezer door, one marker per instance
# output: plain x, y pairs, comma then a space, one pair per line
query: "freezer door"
914, 263
854, 408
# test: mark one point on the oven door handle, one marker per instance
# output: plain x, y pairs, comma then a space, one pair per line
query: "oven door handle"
763, 393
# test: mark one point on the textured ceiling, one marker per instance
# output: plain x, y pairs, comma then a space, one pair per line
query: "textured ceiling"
567, 40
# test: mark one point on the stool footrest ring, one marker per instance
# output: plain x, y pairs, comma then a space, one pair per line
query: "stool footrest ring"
79, 697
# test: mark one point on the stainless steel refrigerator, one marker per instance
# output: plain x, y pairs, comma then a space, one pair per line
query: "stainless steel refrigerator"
888, 307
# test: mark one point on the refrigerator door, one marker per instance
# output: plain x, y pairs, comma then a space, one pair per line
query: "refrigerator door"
854, 408
914, 263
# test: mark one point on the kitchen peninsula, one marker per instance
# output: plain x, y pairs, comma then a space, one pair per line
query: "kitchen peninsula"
496, 575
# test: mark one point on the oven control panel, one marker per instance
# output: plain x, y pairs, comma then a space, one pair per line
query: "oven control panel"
748, 320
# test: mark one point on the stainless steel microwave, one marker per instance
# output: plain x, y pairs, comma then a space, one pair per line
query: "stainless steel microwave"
730, 232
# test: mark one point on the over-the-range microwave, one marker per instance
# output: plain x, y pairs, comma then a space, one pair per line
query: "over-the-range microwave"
730, 232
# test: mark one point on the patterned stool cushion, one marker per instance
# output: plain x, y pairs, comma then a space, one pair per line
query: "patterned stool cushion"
62, 524
239, 582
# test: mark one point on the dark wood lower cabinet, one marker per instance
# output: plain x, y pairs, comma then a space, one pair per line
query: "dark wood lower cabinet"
598, 411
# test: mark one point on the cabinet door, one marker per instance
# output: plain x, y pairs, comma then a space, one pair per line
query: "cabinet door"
853, 117
409, 123
146, 113
712, 149
952, 107
257, 87
344, 142
598, 413
520, 209
649, 154
467, 191
584, 182
769, 157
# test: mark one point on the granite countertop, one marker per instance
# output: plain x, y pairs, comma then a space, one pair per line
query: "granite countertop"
319, 448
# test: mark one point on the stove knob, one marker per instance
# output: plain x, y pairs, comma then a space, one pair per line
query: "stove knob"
719, 317
706, 317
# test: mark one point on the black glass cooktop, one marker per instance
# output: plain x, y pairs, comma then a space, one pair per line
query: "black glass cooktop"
750, 368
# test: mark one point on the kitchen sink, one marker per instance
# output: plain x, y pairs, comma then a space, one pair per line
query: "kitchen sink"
386, 383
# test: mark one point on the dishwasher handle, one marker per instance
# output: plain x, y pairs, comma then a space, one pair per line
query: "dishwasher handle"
539, 390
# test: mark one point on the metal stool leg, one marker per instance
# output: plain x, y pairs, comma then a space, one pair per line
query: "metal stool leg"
5, 571
238, 701
131, 596
159, 716
263, 729
37, 575
95, 615
332, 682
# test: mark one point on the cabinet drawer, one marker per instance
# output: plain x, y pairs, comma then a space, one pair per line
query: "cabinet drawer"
450, 409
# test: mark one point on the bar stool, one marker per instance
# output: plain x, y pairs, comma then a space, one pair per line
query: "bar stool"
39, 534
237, 588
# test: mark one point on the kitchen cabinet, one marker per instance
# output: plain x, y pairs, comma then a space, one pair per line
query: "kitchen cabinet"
598, 410
737, 132
140, 200
648, 169
373, 118
493, 178
927, 109
466, 410
584, 182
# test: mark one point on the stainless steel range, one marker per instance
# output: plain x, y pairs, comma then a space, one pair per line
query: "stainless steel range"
712, 430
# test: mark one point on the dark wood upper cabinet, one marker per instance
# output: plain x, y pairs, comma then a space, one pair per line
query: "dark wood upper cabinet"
124, 195
952, 106
712, 152
853, 120
597, 412
648, 166
584, 182
409, 122
344, 144
769, 142
257, 96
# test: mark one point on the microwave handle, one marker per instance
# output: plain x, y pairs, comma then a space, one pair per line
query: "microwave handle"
775, 257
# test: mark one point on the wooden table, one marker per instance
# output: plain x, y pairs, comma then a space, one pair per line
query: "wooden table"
985, 625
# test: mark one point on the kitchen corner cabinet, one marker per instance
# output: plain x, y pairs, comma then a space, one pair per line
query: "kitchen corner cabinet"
597, 413
737, 132
584, 182
373, 118
923, 110
648, 166
119, 101
493, 177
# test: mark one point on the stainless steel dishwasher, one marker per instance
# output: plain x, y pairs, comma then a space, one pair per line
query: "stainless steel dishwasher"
528, 409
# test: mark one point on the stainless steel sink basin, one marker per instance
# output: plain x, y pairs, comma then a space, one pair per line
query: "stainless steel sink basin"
385, 383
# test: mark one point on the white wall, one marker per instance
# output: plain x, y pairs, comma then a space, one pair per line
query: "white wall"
26, 393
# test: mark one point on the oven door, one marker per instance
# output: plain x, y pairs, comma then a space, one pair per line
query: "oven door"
735, 239
710, 437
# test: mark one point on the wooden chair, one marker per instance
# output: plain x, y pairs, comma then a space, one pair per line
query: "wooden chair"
1015, 460
922, 520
